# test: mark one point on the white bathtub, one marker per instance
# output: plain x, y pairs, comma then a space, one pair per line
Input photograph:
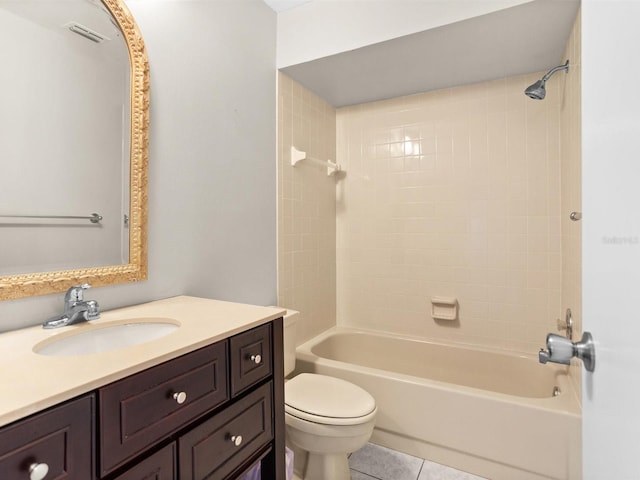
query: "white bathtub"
480, 411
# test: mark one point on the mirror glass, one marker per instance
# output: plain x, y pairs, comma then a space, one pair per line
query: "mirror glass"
73, 145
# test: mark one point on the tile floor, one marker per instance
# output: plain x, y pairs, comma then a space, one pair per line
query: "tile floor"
374, 462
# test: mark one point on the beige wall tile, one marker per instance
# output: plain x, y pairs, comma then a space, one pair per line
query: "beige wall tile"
570, 191
306, 209
459, 185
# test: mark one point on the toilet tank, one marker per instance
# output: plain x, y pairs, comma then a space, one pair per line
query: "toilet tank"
290, 320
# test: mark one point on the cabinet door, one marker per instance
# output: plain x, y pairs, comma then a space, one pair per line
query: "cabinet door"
141, 410
250, 354
221, 445
59, 441
159, 466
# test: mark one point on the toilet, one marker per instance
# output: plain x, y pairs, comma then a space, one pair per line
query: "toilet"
326, 417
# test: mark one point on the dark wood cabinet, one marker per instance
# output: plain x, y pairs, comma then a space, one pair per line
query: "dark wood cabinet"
143, 409
59, 440
250, 358
162, 465
234, 435
209, 414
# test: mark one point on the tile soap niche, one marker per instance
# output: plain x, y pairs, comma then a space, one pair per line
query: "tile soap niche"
444, 308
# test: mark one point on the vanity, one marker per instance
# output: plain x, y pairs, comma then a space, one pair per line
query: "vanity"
204, 401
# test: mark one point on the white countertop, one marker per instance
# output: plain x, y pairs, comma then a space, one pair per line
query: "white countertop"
31, 382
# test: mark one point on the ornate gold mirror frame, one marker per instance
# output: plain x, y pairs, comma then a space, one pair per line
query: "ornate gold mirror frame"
27, 285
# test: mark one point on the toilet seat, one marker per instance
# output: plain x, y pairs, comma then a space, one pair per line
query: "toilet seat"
328, 400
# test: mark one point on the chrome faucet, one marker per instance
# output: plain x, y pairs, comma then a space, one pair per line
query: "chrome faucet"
562, 350
76, 309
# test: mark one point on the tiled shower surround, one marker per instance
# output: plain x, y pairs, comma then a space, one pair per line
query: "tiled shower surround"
571, 175
463, 192
452, 193
306, 209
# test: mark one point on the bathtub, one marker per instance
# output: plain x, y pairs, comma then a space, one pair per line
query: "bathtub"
496, 415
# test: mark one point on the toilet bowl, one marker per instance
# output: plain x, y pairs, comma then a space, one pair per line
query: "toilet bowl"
329, 418
326, 417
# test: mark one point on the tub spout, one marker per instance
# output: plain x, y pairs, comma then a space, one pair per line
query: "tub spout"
562, 350
559, 350
543, 356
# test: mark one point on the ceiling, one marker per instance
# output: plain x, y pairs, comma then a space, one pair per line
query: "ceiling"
523, 39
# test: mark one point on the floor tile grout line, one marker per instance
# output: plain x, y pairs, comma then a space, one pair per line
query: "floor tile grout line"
423, 462
367, 474
406, 460
420, 471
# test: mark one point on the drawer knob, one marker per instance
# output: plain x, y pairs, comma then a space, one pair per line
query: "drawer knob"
180, 397
37, 471
256, 359
236, 440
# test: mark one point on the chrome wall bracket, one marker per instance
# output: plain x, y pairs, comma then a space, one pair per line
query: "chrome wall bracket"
567, 324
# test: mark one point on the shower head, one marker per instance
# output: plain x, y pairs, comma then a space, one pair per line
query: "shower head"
537, 91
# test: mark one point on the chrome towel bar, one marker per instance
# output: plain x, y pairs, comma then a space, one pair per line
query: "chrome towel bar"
93, 218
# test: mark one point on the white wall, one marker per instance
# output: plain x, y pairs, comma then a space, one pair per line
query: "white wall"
611, 236
212, 173
325, 27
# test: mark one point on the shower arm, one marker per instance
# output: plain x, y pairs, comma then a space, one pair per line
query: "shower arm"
554, 70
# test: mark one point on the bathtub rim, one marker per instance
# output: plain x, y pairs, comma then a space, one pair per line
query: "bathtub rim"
567, 402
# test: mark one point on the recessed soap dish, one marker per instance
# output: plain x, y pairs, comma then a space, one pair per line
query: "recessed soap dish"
444, 308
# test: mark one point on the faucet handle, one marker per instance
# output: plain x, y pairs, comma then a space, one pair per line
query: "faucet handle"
76, 293
93, 310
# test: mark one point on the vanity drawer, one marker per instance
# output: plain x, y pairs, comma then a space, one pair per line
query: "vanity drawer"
250, 358
159, 466
208, 451
144, 408
61, 438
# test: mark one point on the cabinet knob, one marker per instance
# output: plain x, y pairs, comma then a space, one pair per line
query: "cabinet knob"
236, 440
180, 397
256, 359
37, 471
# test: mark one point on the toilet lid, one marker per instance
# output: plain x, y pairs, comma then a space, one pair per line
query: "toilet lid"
312, 395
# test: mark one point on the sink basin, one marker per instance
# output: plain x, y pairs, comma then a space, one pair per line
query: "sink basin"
109, 336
